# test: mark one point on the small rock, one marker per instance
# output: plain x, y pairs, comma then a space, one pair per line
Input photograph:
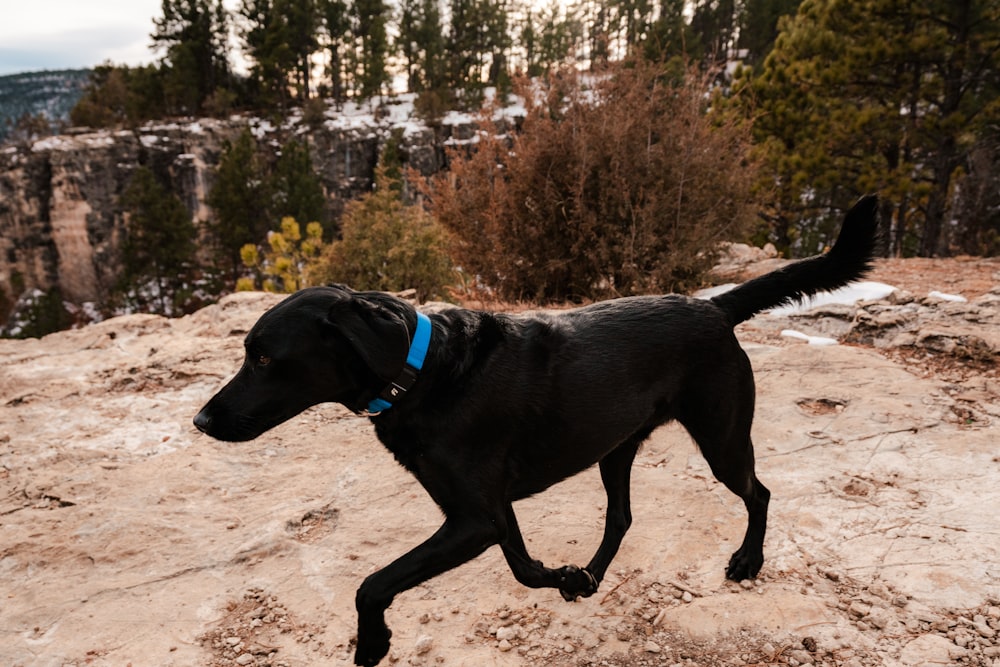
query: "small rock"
879, 618
424, 643
506, 633
652, 647
859, 609
800, 656
985, 630
244, 659
504, 645
687, 597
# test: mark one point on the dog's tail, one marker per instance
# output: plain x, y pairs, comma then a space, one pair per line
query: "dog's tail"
849, 259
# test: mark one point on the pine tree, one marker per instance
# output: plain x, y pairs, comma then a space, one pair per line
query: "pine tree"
266, 40
159, 246
875, 94
194, 35
120, 95
303, 21
421, 45
670, 36
477, 43
240, 199
336, 22
714, 27
759, 26
369, 20
296, 190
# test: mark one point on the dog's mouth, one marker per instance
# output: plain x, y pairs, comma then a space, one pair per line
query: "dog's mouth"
227, 429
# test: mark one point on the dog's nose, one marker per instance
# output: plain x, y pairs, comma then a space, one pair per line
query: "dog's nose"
202, 421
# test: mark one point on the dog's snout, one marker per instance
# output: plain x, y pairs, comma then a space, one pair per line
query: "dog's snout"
202, 421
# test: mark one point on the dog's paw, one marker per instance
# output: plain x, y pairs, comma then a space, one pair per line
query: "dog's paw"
575, 582
373, 644
744, 564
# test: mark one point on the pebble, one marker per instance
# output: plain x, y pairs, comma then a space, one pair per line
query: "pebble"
244, 659
652, 647
802, 657
424, 643
859, 609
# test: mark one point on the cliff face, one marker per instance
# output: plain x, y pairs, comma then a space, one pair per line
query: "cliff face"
61, 223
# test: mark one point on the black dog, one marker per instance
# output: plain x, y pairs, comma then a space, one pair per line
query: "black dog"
494, 408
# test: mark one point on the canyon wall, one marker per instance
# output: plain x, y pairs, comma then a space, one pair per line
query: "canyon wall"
61, 222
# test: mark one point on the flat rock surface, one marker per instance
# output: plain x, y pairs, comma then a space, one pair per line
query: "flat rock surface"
128, 538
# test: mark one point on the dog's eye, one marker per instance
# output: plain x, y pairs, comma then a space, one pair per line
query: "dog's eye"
263, 360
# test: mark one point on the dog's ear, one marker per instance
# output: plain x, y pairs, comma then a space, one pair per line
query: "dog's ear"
378, 335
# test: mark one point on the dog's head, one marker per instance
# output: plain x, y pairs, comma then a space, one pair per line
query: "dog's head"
322, 344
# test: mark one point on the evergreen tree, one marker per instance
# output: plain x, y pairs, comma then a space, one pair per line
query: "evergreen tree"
303, 19
336, 21
714, 25
633, 18
875, 94
759, 26
477, 43
159, 246
369, 20
120, 95
549, 37
194, 35
669, 35
296, 190
267, 40
240, 199
421, 44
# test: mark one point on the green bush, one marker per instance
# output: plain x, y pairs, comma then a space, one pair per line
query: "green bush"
388, 245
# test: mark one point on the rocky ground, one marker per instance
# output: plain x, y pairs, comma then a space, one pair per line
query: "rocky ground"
127, 538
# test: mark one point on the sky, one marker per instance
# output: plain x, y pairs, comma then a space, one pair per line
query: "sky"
72, 34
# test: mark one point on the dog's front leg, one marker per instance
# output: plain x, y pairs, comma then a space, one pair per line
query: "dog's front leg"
572, 581
457, 541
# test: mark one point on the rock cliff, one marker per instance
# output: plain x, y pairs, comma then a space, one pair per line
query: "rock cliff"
61, 223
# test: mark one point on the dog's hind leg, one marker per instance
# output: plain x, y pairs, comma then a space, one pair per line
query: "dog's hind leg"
719, 421
572, 581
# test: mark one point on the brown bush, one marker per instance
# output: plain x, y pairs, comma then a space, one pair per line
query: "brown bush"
616, 184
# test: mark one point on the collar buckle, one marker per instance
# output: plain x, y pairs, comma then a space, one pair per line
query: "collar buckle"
396, 389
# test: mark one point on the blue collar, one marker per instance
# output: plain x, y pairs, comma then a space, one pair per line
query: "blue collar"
414, 362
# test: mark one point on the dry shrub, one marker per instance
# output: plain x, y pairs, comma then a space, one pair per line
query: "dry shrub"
616, 184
